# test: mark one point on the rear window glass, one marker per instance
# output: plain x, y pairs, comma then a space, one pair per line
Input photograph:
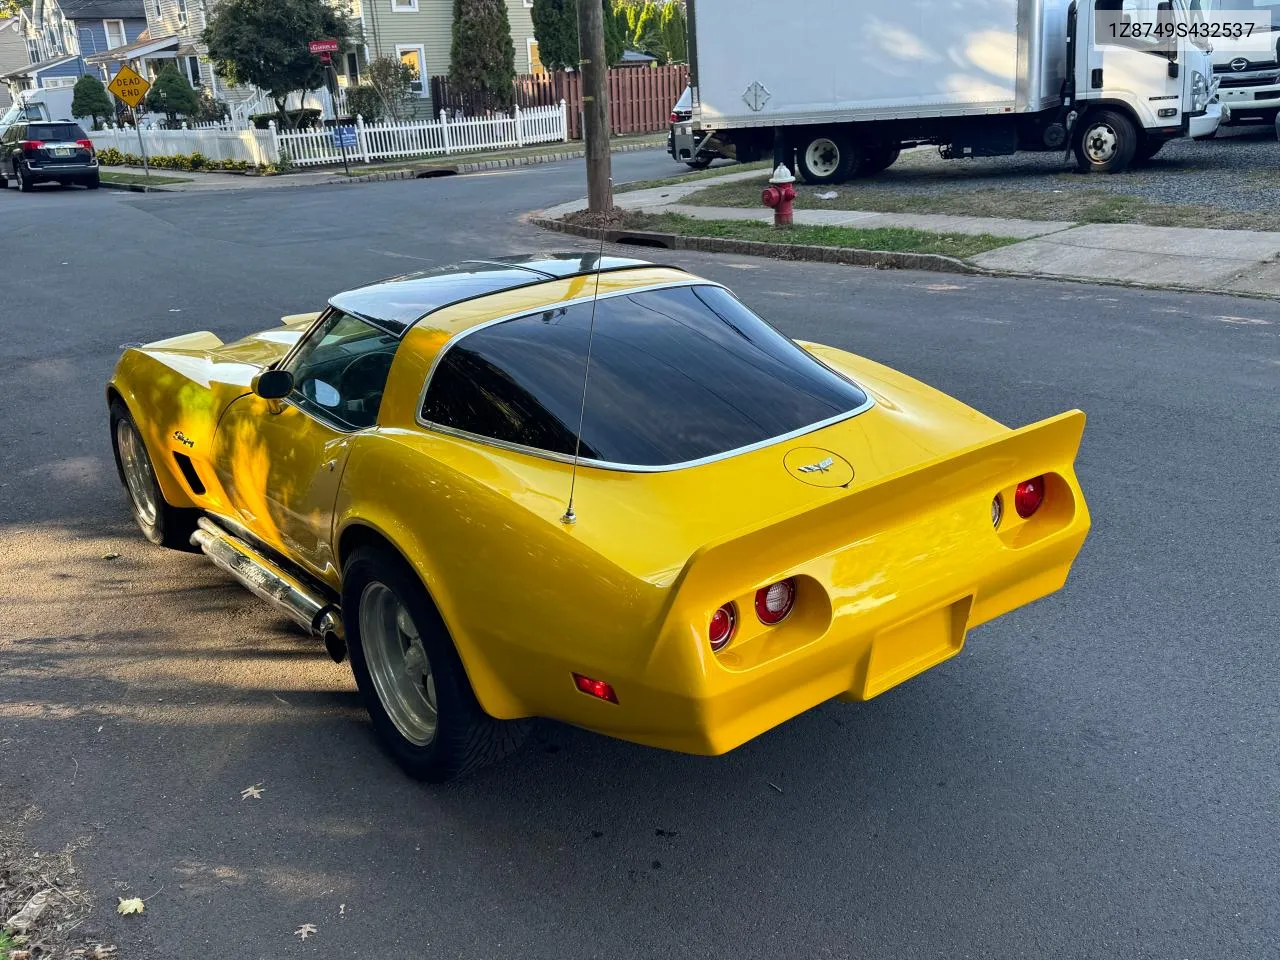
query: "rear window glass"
677, 375
56, 131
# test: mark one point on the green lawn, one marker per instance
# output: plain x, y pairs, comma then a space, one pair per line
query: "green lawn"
5, 945
153, 180
891, 239
1076, 205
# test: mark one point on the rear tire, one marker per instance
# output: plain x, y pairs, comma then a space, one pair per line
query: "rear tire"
879, 159
24, 179
1107, 143
160, 523
93, 182
410, 676
826, 156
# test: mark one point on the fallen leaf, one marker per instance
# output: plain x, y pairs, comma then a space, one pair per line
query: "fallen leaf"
111, 556
19, 955
132, 905
102, 953
255, 792
304, 931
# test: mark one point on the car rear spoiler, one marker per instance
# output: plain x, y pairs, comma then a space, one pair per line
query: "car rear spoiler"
948, 500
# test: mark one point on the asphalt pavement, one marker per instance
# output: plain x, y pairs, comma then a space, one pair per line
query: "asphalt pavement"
1094, 777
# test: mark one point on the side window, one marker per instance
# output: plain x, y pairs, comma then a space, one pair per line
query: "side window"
341, 370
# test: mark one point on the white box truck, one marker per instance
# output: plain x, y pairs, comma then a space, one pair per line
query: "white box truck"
839, 87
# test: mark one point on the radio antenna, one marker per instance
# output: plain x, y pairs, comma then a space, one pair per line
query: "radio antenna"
570, 517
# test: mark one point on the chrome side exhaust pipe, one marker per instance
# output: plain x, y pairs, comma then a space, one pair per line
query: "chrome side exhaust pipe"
265, 579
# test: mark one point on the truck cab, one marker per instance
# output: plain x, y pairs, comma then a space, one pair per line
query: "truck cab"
1140, 61
1247, 68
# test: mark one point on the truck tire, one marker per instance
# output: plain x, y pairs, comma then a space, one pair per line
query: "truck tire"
878, 159
1107, 142
410, 675
826, 156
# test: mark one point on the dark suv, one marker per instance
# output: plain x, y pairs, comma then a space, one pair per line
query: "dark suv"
41, 151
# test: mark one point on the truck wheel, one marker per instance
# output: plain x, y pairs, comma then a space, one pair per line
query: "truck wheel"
699, 164
826, 157
879, 159
160, 523
410, 676
1107, 143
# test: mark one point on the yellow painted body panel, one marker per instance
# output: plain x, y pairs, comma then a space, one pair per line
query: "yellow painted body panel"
892, 569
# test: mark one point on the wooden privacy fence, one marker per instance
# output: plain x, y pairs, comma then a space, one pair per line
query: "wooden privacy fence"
640, 98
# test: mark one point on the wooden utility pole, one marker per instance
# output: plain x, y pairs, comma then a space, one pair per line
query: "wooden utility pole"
595, 105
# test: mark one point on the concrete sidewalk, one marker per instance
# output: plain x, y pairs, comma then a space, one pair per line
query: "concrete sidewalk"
1225, 261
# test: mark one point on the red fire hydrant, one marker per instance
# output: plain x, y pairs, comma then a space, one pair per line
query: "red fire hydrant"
780, 194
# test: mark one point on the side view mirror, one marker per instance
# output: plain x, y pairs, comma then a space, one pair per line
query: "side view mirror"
273, 384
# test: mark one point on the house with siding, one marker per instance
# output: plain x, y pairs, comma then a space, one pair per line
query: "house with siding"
60, 37
13, 55
420, 32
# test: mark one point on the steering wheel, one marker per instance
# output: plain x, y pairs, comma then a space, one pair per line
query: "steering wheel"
349, 379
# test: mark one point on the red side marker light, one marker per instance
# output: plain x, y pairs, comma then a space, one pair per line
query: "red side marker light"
595, 688
723, 623
1029, 497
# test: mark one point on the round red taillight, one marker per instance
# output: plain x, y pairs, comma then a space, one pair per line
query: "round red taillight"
1029, 496
774, 602
723, 623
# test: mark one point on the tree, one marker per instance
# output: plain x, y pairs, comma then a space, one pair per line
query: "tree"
674, 25
263, 43
89, 99
392, 80
172, 94
555, 27
483, 58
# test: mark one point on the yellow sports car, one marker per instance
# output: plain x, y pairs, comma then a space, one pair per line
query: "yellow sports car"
591, 489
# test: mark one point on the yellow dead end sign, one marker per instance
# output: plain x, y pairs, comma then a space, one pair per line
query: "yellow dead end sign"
129, 86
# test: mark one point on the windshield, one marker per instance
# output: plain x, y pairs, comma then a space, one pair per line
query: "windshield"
678, 376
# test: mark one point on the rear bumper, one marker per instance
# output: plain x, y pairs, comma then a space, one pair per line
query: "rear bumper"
54, 171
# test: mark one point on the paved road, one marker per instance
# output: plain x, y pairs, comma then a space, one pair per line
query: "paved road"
1095, 777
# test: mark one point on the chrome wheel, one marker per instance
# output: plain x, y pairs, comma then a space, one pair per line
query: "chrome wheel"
822, 157
1101, 143
138, 476
398, 664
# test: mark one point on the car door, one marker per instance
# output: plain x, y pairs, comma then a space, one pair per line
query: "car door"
1134, 43
280, 461
9, 146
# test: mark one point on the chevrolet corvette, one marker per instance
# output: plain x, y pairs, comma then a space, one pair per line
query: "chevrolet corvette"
592, 489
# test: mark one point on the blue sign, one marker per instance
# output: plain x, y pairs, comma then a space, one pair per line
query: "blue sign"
345, 137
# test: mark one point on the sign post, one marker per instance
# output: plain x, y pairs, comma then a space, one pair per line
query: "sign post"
130, 87
343, 137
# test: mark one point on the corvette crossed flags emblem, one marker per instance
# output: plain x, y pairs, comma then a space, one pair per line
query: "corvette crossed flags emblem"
822, 466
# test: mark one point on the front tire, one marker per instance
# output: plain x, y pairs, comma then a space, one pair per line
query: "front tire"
826, 157
1107, 143
411, 678
160, 523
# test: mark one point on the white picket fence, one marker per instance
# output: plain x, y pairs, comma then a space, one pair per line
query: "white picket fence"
386, 141
231, 140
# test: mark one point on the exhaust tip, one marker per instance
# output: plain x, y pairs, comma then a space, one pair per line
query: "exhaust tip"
335, 645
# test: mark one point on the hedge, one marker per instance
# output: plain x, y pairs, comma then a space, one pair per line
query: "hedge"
112, 157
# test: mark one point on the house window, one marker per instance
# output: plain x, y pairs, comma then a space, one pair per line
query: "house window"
404, 6
193, 71
353, 69
53, 83
535, 61
415, 58
115, 33
182, 14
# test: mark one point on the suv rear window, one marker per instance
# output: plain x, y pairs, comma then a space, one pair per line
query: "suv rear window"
677, 375
69, 132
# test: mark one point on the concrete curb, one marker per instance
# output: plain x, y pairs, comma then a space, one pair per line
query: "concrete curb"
881, 259
135, 188
477, 166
